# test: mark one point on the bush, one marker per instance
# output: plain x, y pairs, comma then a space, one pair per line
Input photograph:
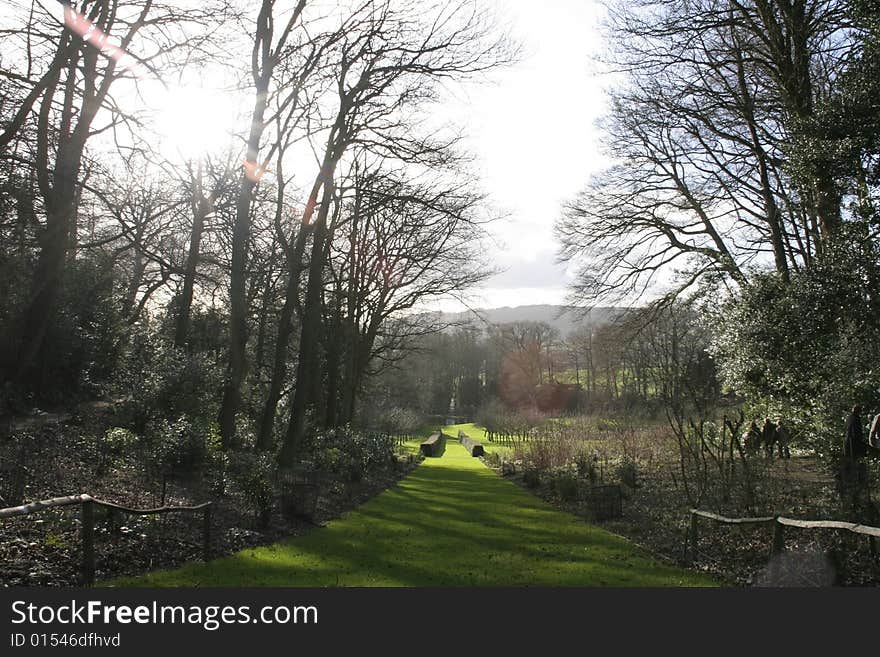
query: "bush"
551, 450
112, 444
253, 474
182, 446
565, 485
118, 440
532, 477
399, 421
16, 463
497, 419
805, 349
606, 424
84, 337
216, 469
161, 382
492, 416
350, 453
627, 473
335, 460
587, 466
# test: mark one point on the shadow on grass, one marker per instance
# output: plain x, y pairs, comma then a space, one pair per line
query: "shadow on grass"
452, 522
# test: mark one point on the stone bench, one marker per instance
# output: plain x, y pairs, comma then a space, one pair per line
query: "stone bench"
433, 445
474, 447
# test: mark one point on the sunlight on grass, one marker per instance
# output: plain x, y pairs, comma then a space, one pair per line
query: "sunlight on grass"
452, 522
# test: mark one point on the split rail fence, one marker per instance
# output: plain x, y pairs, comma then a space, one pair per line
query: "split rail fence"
87, 505
780, 526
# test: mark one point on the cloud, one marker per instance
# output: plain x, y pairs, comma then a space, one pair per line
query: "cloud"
543, 272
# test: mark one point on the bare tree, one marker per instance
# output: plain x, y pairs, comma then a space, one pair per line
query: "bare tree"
388, 61
268, 50
202, 203
64, 100
525, 348
401, 241
714, 92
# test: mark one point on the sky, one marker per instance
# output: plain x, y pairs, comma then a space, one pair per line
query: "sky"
531, 128
533, 132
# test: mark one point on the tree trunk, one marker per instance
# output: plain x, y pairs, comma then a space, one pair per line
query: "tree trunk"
282, 342
309, 338
201, 209
236, 363
348, 389
54, 241
291, 302
138, 267
334, 339
238, 307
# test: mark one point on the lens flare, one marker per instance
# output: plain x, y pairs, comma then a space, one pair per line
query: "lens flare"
77, 23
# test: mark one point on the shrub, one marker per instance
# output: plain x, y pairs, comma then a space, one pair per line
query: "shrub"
550, 450
216, 469
350, 453
118, 440
161, 382
83, 340
532, 477
373, 452
112, 444
493, 416
253, 474
335, 460
399, 421
181, 446
16, 464
805, 347
606, 424
587, 466
565, 485
627, 473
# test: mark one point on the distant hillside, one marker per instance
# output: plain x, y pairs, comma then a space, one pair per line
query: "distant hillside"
564, 318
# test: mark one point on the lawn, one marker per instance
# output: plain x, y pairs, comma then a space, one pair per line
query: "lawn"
451, 431
477, 433
452, 522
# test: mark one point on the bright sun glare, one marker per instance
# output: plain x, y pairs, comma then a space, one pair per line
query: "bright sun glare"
192, 121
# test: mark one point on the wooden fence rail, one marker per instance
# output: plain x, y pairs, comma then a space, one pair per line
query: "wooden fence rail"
779, 524
87, 505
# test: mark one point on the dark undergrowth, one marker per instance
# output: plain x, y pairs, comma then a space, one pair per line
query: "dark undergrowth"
56, 455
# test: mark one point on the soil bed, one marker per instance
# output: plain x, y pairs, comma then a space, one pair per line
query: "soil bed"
43, 549
655, 516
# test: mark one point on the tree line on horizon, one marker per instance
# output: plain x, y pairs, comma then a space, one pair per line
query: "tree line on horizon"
637, 362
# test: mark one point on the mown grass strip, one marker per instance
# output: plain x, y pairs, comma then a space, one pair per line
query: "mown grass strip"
452, 522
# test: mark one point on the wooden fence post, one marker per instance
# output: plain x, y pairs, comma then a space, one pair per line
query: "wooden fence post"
778, 539
692, 537
206, 534
776, 550
88, 542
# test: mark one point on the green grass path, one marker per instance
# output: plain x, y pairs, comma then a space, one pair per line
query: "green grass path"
452, 522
